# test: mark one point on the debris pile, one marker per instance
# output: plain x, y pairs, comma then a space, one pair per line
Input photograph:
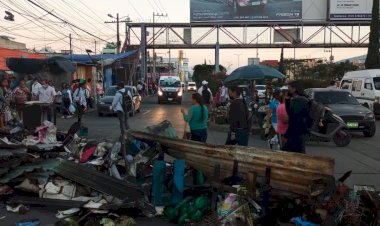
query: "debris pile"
153, 173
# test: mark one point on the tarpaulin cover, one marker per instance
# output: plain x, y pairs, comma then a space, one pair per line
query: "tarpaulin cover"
32, 66
106, 58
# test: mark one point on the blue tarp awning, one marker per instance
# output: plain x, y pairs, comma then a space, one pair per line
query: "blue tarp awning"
85, 59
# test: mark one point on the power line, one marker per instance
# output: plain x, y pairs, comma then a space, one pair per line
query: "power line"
133, 7
73, 25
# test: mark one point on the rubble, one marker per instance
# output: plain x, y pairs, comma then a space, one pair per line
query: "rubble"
100, 182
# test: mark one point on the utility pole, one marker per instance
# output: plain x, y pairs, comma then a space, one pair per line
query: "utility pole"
118, 42
154, 37
71, 48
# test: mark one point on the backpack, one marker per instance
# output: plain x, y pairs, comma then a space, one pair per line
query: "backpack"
206, 95
316, 112
126, 102
65, 95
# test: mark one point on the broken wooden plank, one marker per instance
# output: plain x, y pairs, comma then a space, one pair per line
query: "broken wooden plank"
292, 172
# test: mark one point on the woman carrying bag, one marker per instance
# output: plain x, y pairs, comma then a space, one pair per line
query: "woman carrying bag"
197, 117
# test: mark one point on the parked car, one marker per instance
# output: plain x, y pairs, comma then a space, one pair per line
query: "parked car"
191, 86
239, 5
261, 90
105, 102
357, 117
365, 86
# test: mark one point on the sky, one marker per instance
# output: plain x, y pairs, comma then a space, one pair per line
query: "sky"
38, 29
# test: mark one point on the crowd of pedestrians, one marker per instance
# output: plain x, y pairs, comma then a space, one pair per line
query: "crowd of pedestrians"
287, 109
64, 98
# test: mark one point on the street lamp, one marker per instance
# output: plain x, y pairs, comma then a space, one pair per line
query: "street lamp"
238, 56
88, 51
118, 43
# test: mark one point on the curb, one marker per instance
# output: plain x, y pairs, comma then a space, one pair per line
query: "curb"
224, 128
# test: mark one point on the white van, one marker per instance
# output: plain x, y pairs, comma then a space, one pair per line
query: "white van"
169, 89
365, 86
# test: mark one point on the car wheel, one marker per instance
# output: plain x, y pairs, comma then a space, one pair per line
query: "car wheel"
100, 114
342, 138
158, 102
370, 131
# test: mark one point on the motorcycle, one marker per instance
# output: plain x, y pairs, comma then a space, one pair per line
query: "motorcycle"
331, 128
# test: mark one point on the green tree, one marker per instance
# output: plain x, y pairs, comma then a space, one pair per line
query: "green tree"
373, 55
206, 72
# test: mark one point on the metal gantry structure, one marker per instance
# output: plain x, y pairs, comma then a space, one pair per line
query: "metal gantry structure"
238, 35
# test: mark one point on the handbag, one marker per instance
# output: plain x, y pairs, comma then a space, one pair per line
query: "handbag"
186, 133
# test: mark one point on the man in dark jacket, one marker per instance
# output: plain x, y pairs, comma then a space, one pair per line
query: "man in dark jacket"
298, 109
238, 119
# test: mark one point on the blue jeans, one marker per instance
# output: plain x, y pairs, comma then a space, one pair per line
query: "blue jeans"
241, 138
199, 135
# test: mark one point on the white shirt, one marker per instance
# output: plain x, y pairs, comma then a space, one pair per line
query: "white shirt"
80, 96
223, 93
117, 100
139, 87
36, 88
201, 89
46, 94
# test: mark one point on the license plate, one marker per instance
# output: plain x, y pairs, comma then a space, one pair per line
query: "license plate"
170, 99
255, 3
352, 125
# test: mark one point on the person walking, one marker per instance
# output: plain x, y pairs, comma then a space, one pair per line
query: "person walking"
20, 96
36, 86
271, 119
80, 98
47, 95
99, 90
117, 106
197, 117
238, 119
298, 109
67, 100
223, 94
282, 118
332, 85
140, 88
89, 90
5, 99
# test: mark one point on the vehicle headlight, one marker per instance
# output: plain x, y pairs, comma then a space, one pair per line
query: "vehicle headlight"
160, 93
369, 116
180, 93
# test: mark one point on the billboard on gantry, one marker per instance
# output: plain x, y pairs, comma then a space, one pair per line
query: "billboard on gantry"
245, 10
351, 9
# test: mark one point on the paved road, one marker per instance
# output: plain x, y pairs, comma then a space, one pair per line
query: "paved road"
219, 10
362, 155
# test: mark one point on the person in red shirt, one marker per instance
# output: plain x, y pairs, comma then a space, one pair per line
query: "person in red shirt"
74, 85
20, 96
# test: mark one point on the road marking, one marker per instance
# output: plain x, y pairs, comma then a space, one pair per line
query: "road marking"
146, 112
